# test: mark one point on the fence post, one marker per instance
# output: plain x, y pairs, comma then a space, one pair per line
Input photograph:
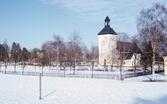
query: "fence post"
40, 87
92, 68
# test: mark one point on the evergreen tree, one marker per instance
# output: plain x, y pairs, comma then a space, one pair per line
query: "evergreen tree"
15, 54
146, 58
34, 55
2, 53
44, 59
24, 57
6, 49
6, 54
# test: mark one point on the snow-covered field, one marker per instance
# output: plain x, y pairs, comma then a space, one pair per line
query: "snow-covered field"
18, 89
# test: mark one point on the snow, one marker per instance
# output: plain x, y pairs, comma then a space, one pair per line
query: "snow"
84, 72
22, 89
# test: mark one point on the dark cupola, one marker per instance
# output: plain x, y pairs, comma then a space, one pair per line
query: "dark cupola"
107, 29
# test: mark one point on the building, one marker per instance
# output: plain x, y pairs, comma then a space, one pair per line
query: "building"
107, 38
165, 65
110, 48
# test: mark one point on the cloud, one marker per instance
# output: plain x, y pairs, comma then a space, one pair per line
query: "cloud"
123, 13
96, 9
83, 7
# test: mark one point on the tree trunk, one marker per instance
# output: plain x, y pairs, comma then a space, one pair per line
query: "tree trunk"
74, 69
135, 71
15, 67
135, 65
64, 72
153, 63
40, 86
0, 69
92, 69
121, 78
23, 68
23, 71
121, 63
5, 68
112, 67
42, 70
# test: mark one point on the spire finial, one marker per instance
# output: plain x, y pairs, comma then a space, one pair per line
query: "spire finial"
107, 21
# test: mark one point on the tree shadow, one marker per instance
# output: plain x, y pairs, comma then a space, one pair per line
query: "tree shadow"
157, 80
50, 93
161, 100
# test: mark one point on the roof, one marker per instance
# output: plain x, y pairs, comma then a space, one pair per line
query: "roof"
129, 56
107, 29
128, 47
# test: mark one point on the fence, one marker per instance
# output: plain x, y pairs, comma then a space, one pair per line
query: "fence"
81, 72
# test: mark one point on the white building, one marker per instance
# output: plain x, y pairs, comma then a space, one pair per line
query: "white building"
165, 65
110, 48
107, 38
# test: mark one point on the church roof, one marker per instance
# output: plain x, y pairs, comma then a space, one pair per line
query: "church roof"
107, 29
129, 56
128, 47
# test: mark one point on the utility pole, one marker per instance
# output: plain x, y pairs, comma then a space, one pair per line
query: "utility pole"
40, 86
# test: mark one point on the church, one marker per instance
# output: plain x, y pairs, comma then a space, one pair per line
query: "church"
110, 48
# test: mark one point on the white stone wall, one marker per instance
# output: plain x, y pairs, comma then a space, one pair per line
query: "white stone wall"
165, 65
107, 43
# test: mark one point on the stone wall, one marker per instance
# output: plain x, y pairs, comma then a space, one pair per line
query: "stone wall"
107, 43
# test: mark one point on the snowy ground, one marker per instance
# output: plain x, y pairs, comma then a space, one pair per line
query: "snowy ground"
18, 89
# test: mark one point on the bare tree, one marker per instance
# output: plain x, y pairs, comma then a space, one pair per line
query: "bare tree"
58, 43
49, 48
94, 53
122, 56
123, 52
114, 58
75, 52
86, 55
152, 24
63, 57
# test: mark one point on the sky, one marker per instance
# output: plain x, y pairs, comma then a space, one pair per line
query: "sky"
33, 22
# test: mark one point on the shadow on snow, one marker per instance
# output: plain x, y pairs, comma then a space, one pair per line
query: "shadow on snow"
161, 100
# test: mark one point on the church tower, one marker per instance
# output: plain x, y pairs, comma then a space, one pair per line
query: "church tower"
107, 42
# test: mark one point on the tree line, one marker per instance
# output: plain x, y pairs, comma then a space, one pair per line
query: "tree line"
56, 52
